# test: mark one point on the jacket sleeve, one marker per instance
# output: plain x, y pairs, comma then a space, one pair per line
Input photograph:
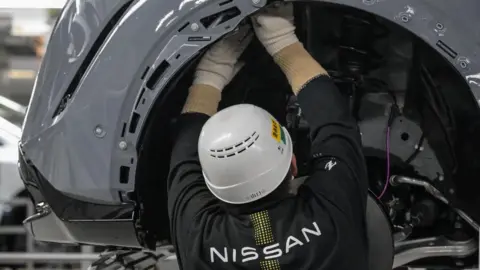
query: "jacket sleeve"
338, 171
188, 194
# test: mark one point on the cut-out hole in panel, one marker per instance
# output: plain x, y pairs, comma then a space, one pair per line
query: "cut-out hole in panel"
132, 161
145, 73
225, 2
444, 47
124, 174
405, 136
199, 38
140, 98
157, 74
220, 17
134, 122
123, 130
121, 196
183, 27
177, 56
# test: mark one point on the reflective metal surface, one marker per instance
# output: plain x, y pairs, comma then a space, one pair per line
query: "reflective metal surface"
396, 180
409, 251
46, 226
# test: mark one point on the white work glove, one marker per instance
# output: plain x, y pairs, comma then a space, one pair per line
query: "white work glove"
274, 27
220, 63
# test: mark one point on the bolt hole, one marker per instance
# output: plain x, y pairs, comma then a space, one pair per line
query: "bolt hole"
463, 64
404, 18
405, 136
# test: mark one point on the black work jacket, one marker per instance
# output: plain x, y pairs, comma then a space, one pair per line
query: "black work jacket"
322, 227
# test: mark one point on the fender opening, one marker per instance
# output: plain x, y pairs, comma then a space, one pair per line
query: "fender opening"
382, 69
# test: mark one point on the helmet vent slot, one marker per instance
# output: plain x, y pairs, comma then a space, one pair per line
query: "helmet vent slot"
236, 149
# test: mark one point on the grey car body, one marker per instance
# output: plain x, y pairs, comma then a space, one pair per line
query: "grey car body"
106, 65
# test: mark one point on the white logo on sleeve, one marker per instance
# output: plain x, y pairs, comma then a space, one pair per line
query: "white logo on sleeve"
330, 165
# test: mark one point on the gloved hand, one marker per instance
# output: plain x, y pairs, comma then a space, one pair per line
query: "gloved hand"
274, 27
220, 63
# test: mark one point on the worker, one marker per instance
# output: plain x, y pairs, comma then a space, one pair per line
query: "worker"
229, 201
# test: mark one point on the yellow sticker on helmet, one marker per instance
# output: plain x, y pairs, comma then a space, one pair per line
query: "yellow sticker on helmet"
276, 131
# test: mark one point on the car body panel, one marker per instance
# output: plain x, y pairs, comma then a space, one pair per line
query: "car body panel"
86, 142
78, 27
99, 97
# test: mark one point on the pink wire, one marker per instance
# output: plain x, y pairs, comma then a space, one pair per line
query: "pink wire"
388, 164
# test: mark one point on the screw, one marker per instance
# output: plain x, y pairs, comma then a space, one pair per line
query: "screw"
99, 132
451, 191
260, 3
194, 27
439, 26
405, 18
441, 178
123, 145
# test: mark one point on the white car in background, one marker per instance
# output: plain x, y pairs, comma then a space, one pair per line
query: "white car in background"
11, 187
11, 117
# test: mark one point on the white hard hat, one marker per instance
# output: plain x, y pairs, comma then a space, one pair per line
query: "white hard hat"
245, 153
